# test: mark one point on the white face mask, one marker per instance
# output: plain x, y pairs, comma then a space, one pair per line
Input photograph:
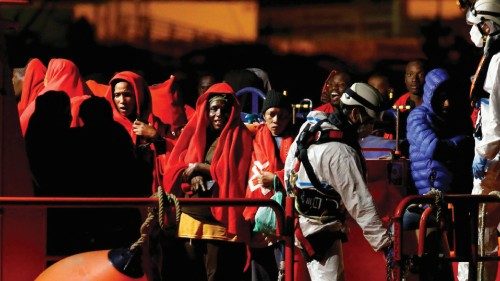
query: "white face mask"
476, 36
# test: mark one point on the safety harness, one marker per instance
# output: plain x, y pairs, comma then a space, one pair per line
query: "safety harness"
321, 201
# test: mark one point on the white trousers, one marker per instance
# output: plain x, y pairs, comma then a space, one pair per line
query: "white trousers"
331, 268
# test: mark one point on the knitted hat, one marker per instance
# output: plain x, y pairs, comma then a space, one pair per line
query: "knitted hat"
275, 99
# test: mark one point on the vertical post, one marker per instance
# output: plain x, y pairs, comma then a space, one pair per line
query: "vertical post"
397, 152
474, 239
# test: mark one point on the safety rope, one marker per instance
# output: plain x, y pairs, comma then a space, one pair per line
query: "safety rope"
165, 200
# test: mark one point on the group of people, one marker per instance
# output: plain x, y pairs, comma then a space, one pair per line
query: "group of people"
126, 138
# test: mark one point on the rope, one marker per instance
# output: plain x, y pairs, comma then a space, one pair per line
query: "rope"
146, 225
144, 230
177, 207
161, 210
438, 201
170, 199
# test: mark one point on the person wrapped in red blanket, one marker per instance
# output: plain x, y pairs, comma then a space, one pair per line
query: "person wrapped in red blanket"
211, 159
131, 102
266, 177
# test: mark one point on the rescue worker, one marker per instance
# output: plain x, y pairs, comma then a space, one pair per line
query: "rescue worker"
332, 175
484, 18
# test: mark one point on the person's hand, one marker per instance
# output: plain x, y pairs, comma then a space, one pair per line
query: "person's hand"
142, 129
479, 166
194, 169
188, 172
198, 184
266, 179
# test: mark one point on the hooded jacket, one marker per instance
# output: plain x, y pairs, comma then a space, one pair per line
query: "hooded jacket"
437, 148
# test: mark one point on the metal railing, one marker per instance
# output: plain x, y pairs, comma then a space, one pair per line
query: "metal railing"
284, 217
470, 203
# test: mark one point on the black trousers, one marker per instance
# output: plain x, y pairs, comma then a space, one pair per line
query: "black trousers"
213, 260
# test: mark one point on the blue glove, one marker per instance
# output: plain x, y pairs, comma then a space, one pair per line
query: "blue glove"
479, 166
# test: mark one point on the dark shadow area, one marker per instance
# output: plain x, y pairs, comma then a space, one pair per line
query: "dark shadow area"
302, 76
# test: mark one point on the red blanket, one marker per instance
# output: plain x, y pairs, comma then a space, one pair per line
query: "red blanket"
230, 162
62, 75
142, 99
265, 157
32, 84
167, 104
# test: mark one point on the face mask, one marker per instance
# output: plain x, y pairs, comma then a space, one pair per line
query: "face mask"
476, 36
364, 128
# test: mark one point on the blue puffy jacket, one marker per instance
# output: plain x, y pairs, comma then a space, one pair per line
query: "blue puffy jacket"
433, 152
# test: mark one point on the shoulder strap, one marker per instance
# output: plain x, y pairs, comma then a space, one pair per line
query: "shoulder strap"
303, 143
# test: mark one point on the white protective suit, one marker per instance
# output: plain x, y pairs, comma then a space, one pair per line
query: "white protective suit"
488, 147
338, 165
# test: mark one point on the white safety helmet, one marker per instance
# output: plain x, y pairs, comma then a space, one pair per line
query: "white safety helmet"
365, 95
484, 10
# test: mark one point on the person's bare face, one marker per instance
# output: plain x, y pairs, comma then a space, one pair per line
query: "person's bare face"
277, 120
218, 114
124, 98
334, 88
414, 78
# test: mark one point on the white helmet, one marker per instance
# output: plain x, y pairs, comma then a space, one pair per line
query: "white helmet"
484, 10
365, 95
